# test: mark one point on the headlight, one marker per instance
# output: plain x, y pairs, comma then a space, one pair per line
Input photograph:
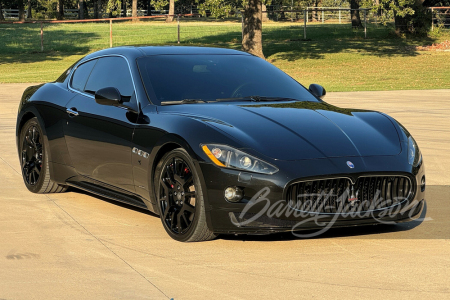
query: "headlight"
414, 155
227, 157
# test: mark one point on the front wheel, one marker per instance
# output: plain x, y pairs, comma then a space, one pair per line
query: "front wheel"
180, 198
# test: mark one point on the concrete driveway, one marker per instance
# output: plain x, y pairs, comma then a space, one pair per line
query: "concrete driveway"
77, 246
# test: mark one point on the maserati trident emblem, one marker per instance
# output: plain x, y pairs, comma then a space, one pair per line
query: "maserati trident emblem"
353, 197
350, 164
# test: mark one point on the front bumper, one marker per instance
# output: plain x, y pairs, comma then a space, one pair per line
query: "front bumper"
268, 214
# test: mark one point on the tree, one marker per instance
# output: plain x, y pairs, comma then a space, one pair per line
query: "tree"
21, 10
429, 3
81, 9
2, 18
171, 11
60, 10
99, 8
409, 21
252, 28
148, 7
315, 12
356, 17
410, 15
134, 9
29, 15
96, 8
216, 8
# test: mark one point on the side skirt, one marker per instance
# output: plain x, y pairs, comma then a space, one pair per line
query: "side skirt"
103, 192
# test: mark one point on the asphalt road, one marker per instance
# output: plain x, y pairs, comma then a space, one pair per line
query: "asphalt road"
77, 246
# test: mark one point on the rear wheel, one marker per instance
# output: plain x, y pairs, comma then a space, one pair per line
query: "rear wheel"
34, 160
180, 198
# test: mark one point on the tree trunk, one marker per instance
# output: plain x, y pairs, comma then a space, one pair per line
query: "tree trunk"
29, 14
125, 14
95, 10
99, 9
171, 11
148, 8
81, 9
60, 10
2, 17
21, 10
356, 18
134, 9
252, 31
315, 12
265, 17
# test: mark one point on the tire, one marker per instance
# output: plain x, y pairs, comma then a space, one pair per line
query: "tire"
34, 160
180, 198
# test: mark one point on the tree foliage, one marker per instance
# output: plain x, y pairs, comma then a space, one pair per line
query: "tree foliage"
217, 8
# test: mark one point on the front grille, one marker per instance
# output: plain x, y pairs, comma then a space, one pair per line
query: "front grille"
339, 195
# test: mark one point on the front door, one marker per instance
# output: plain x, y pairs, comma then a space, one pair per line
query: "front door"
99, 137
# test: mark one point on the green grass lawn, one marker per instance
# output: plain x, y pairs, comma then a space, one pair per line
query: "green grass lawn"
336, 56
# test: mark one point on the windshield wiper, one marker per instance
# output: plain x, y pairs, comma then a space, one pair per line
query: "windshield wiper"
184, 101
256, 98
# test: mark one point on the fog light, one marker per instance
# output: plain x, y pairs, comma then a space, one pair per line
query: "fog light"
233, 194
422, 184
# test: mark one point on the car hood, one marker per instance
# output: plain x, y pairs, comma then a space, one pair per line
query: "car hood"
301, 129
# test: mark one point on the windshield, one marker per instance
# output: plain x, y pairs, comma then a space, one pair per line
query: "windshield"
211, 77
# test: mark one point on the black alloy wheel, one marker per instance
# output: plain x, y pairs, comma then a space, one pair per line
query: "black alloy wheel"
180, 198
177, 195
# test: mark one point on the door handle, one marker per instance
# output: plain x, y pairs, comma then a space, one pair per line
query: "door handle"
72, 112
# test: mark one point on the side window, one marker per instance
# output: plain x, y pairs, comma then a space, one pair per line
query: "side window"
81, 75
111, 72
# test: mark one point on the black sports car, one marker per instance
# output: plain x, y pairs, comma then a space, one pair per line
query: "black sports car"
215, 141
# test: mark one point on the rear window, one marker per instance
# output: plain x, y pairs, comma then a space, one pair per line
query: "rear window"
81, 75
66, 73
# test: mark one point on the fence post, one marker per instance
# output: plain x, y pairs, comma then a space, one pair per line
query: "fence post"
42, 37
304, 25
340, 16
110, 33
323, 16
178, 21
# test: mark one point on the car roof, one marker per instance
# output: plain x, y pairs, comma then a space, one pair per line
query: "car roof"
132, 52
160, 50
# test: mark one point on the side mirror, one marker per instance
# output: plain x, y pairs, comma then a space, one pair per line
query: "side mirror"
317, 90
108, 96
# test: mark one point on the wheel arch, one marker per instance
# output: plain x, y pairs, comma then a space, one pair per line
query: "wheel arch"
165, 145
22, 119
170, 143
20, 123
